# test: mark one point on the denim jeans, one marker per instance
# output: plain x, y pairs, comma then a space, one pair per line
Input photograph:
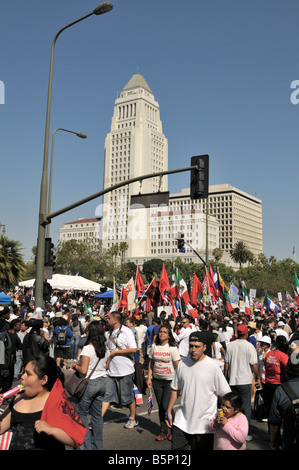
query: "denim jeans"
245, 392
91, 404
18, 364
74, 346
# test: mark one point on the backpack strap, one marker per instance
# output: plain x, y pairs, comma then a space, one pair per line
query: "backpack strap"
290, 392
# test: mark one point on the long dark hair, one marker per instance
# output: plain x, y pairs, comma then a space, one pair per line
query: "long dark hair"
235, 400
46, 365
96, 337
171, 340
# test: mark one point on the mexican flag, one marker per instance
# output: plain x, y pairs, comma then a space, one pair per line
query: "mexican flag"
297, 283
245, 297
184, 294
174, 290
87, 309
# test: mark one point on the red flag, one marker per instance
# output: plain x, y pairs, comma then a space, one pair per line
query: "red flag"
152, 295
164, 285
197, 289
139, 286
123, 302
148, 304
210, 286
211, 271
59, 412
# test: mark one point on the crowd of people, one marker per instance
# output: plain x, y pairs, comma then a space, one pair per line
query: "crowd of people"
214, 365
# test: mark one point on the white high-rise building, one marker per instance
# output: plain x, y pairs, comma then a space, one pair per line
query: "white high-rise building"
134, 146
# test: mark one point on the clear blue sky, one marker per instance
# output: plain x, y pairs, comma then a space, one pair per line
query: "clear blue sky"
221, 71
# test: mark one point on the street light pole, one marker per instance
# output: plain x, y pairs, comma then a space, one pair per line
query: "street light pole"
78, 134
39, 280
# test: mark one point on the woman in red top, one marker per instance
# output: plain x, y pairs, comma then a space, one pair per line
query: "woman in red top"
275, 370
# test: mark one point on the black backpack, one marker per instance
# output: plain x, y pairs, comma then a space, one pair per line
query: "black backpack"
291, 418
61, 336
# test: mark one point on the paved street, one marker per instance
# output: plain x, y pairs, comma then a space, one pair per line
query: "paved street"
116, 437
142, 438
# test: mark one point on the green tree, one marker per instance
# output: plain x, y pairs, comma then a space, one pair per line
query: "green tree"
123, 247
12, 262
152, 267
217, 254
73, 257
240, 253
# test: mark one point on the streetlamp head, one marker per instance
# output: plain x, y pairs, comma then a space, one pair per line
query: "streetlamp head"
103, 8
82, 136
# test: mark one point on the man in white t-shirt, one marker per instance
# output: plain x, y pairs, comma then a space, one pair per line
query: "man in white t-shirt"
200, 381
120, 380
183, 337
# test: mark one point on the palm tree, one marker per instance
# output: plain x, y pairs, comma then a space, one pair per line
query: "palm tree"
240, 253
123, 246
11, 262
217, 253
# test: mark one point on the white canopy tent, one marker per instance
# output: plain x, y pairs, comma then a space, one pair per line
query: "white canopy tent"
65, 282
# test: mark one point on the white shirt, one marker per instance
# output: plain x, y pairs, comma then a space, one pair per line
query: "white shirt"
226, 335
164, 357
282, 332
240, 355
200, 382
183, 340
100, 370
121, 365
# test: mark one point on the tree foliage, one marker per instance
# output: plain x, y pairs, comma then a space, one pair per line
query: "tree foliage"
11, 262
263, 275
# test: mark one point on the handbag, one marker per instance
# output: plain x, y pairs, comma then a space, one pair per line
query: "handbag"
259, 408
76, 385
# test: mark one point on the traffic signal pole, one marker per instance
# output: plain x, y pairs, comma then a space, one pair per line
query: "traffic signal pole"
48, 217
45, 218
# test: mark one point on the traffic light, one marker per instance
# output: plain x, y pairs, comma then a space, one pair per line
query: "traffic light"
199, 181
49, 253
181, 243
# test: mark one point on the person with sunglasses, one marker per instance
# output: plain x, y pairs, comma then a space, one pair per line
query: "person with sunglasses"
183, 336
